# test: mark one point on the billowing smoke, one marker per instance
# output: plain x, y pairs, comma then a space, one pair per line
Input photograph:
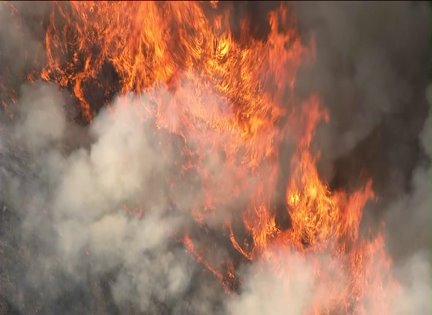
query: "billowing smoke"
78, 208
87, 225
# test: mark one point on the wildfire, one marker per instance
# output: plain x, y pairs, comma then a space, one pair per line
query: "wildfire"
231, 100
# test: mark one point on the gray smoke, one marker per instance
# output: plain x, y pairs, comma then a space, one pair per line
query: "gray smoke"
410, 214
86, 226
371, 70
79, 217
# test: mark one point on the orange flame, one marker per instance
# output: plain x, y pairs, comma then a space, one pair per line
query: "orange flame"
231, 100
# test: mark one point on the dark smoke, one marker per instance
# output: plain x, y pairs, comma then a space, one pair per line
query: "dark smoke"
372, 70
66, 249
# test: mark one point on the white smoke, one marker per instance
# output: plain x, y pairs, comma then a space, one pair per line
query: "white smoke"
75, 207
286, 285
41, 121
291, 283
73, 190
415, 276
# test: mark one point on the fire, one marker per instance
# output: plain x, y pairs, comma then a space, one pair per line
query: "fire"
231, 101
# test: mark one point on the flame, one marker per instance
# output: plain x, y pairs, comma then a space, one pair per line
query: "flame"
230, 99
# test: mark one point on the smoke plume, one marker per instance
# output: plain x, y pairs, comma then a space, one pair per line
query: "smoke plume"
87, 225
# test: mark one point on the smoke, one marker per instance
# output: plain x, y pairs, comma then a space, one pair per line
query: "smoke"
408, 233
288, 287
21, 44
411, 213
86, 222
74, 216
371, 72
292, 287
94, 212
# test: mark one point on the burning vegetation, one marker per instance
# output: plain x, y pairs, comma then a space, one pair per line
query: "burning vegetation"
183, 141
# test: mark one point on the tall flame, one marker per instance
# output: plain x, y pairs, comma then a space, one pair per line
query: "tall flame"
231, 102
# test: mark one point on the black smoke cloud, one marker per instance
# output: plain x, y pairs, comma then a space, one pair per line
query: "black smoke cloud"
65, 245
